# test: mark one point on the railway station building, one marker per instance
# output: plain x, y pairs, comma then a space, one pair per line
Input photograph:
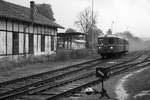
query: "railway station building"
71, 40
23, 31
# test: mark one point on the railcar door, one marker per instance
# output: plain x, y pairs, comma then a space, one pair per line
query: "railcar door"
111, 45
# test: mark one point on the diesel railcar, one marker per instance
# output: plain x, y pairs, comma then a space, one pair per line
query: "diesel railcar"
111, 46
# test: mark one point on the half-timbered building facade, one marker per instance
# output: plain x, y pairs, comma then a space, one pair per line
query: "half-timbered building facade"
24, 31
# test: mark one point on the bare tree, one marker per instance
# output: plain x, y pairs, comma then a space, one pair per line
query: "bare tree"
86, 22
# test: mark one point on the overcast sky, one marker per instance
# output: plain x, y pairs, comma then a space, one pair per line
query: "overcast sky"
132, 15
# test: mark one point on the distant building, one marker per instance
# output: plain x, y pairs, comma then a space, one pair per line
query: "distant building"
71, 40
23, 31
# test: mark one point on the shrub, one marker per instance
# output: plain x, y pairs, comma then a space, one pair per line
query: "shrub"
61, 55
78, 54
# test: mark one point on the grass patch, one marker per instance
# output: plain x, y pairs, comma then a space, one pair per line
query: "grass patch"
137, 83
62, 55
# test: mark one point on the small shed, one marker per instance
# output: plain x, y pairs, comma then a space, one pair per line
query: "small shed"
71, 40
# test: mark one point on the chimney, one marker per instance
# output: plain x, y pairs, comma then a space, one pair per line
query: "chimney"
32, 10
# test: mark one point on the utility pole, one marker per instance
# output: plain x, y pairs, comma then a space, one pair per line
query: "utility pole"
127, 28
112, 26
93, 36
92, 9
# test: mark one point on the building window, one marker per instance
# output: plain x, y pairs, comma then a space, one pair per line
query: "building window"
42, 43
31, 44
52, 43
15, 42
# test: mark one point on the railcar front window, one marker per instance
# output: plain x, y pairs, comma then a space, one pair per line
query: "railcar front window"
100, 41
110, 41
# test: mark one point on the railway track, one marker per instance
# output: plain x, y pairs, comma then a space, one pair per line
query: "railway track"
125, 68
70, 84
96, 81
80, 73
13, 87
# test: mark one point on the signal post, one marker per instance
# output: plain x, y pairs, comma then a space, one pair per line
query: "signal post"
102, 74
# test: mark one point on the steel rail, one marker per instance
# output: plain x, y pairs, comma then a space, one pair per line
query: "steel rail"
24, 90
96, 81
26, 87
52, 71
35, 91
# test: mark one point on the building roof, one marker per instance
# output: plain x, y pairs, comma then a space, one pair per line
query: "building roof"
70, 33
113, 36
20, 13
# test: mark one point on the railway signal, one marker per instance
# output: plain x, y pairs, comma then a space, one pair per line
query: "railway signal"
102, 73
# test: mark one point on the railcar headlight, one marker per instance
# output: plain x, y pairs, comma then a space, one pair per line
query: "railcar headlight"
99, 47
111, 48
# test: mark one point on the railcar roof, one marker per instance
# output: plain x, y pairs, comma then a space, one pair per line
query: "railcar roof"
112, 36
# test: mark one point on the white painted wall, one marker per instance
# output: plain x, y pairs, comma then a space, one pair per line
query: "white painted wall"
9, 42
9, 26
21, 40
46, 44
2, 25
50, 52
19, 27
27, 43
35, 45
2, 42
15, 26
